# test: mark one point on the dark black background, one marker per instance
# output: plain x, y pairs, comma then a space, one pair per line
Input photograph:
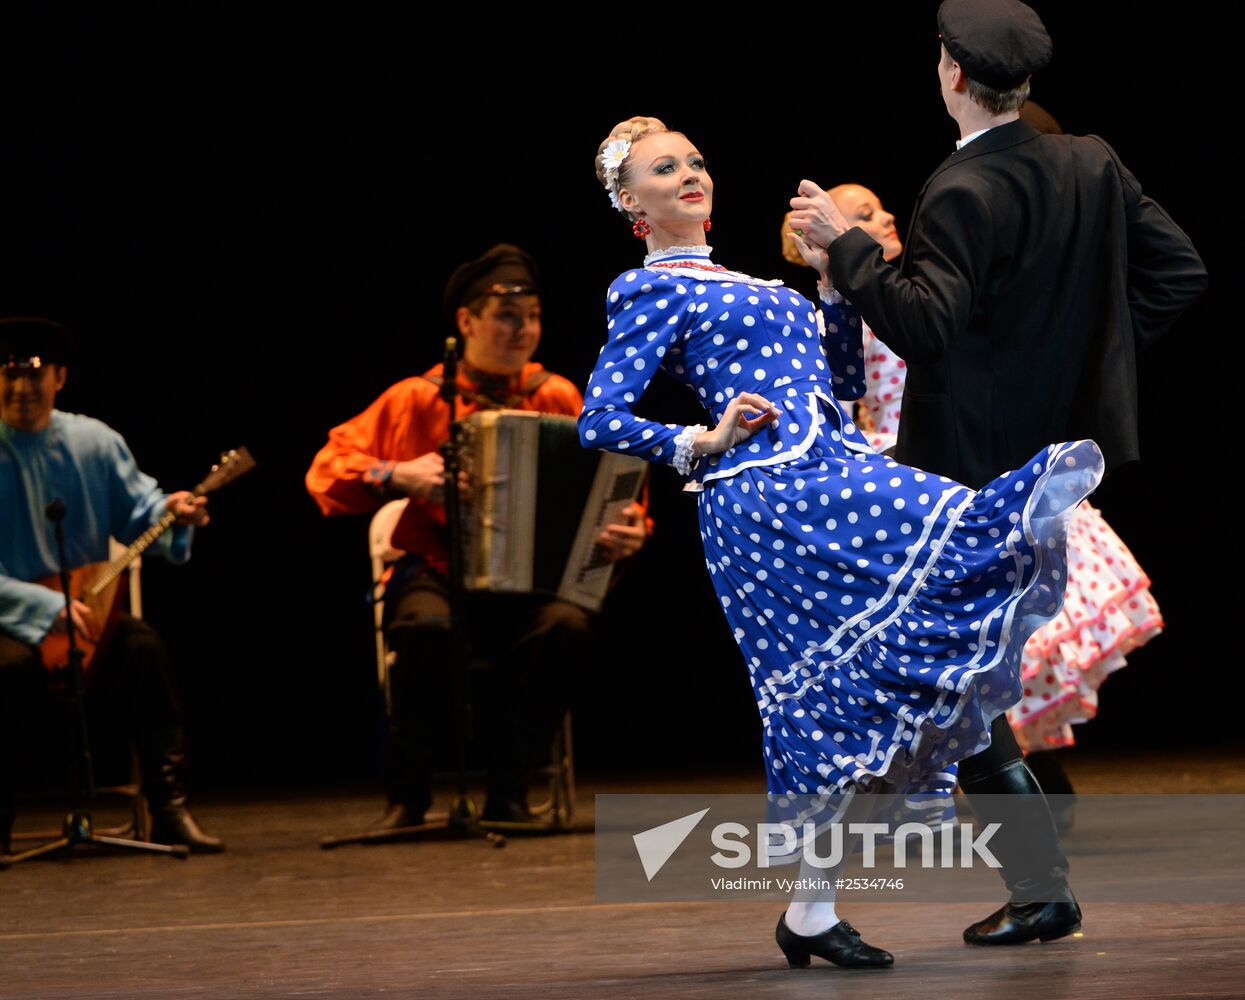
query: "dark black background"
250, 218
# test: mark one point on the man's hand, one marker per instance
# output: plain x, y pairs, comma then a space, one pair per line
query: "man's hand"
423, 478
187, 509
83, 621
626, 538
815, 218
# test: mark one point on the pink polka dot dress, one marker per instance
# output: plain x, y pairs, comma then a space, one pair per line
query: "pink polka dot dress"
881, 611
1107, 612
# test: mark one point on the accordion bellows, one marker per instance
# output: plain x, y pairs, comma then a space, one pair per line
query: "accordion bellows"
537, 503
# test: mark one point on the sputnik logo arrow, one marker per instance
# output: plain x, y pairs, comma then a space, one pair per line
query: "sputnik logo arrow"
655, 846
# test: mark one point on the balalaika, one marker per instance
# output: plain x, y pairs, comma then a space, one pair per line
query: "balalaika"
537, 503
95, 584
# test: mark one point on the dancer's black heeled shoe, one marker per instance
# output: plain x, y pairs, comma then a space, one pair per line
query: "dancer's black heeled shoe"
841, 945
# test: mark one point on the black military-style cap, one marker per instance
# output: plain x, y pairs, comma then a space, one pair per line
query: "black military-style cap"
1000, 43
503, 270
32, 342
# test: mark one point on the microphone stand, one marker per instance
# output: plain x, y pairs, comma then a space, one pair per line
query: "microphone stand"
463, 820
78, 828
463, 815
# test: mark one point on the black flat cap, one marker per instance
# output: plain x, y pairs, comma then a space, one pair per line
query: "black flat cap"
32, 341
998, 42
503, 270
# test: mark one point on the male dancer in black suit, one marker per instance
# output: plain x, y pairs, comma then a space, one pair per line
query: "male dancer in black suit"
1035, 272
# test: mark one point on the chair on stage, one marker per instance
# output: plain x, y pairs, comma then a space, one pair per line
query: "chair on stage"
556, 812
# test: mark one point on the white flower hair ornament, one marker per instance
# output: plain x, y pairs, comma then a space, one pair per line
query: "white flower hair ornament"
612, 159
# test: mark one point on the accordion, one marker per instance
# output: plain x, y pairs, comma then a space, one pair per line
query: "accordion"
537, 502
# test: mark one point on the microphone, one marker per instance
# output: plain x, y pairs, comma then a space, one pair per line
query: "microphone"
55, 511
449, 370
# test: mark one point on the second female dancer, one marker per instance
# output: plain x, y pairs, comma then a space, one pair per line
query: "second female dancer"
1108, 609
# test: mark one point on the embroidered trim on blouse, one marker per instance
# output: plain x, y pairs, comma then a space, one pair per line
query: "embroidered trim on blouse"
674, 261
688, 269
686, 264
683, 457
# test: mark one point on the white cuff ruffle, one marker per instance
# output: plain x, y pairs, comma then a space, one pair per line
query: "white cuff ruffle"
683, 457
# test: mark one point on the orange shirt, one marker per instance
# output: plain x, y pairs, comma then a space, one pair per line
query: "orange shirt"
350, 474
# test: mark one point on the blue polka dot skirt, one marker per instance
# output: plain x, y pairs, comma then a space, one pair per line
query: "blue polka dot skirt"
882, 611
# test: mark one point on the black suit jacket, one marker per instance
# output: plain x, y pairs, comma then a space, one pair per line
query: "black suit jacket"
1035, 271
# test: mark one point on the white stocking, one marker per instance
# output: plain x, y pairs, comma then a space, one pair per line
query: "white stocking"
811, 912
814, 912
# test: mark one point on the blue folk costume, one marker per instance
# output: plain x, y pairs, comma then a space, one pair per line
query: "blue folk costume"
88, 465
881, 610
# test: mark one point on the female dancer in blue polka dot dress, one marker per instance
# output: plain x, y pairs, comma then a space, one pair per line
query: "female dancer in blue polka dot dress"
881, 611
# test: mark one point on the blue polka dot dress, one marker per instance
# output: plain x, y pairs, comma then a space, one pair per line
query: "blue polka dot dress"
881, 610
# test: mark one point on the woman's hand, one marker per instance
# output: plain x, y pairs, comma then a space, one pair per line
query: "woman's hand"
816, 216
814, 256
746, 414
790, 252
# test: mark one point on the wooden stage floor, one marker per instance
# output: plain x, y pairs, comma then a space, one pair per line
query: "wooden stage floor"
278, 917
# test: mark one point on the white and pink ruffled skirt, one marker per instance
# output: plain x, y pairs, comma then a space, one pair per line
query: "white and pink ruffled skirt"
1108, 611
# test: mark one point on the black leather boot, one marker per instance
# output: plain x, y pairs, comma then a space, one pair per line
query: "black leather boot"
411, 728
508, 757
162, 760
172, 823
841, 945
21, 681
1034, 865
1056, 786
155, 720
1019, 922
506, 807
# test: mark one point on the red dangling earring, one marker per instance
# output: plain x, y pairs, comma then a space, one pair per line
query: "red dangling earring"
708, 224
641, 228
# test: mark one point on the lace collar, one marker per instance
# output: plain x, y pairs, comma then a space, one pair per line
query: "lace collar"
694, 262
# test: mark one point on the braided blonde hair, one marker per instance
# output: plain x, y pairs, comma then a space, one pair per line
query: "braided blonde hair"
632, 130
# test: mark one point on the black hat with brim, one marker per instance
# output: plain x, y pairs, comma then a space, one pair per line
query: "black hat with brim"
33, 341
503, 270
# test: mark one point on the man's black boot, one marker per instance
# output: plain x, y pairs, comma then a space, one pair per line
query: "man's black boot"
1034, 865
